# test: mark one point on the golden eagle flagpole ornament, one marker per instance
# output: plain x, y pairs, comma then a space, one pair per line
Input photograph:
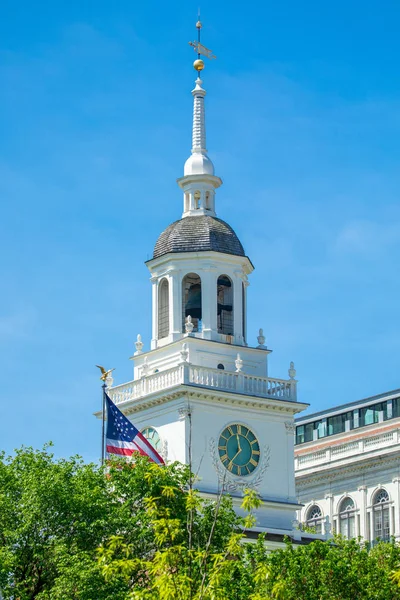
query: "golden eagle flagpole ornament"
104, 375
200, 49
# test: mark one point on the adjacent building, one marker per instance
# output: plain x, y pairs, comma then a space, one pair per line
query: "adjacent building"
347, 465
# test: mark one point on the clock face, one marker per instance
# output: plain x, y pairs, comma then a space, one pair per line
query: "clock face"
239, 450
152, 436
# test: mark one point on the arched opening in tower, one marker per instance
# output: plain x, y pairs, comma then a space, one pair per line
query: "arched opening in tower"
225, 305
191, 301
163, 309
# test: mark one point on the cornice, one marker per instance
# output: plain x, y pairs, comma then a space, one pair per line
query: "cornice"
338, 471
214, 395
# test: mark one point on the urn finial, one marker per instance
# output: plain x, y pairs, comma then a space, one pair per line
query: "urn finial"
138, 344
292, 370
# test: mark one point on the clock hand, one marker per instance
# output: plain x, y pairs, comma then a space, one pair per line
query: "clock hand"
238, 441
238, 452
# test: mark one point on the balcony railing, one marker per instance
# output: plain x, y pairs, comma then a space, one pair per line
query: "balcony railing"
347, 449
186, 374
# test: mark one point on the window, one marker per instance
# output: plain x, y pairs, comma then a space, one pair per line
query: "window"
163, 309
221, 367
347, 518
396, 407
381, 509
304, 433
191, 301
314, 518
153, 437
197, 197
224, 305
300, 434
320, 426
207, 200
336, 424
370, 414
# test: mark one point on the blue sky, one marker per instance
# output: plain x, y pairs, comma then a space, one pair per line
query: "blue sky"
303, 120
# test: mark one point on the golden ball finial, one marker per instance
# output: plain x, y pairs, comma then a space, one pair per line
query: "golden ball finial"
198, 64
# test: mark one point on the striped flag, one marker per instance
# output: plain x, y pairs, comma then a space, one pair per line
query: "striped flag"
123, 438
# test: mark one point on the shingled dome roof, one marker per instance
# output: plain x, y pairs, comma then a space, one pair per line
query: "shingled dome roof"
198, 234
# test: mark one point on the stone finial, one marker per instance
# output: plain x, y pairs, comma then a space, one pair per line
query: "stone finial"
189, 325
138, 344
238, 363
292, 370
261, 337
184, 353
145, 367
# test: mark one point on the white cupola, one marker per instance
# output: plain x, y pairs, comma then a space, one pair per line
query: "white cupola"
199, 268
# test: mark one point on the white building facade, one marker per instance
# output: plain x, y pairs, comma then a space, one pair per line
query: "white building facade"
347, 464
201, 394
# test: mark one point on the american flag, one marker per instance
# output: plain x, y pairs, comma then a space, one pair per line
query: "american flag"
123, 437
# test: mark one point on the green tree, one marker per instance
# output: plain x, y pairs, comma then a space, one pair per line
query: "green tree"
54, 514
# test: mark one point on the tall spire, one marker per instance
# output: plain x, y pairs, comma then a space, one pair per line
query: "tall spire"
199, 182
199, 163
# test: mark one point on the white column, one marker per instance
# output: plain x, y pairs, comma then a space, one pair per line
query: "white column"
290, 431
175, 305
363, 512
396, 500
154, 289
238, 308
209, 302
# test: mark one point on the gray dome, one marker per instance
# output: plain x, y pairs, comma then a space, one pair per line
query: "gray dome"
198, 234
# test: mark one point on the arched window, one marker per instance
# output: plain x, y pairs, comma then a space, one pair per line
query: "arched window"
163, 309
191, 301
225, 305
347, 518
381, 509
221, 367
314, 518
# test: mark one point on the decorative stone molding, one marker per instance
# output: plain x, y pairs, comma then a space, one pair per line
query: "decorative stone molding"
164, 450
290, 427
184, 412
232, 483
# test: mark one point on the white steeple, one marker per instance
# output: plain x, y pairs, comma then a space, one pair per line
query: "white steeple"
199, 163
199, 182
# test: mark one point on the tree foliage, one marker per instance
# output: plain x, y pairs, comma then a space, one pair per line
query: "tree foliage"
72, 531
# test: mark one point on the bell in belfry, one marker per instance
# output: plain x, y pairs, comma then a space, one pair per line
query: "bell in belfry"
193, 304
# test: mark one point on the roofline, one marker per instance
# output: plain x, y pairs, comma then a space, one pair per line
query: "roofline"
195, 253
343, 407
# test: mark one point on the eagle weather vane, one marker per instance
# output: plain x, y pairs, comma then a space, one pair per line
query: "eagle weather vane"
200, 49
104, 373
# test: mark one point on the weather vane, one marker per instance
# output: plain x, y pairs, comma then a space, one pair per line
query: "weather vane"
200, 49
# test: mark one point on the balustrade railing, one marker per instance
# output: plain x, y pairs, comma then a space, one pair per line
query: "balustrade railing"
347, 449
263, 387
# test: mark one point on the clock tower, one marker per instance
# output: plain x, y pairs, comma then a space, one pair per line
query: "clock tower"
202, 393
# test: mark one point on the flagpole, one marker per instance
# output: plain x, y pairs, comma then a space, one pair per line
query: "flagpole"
103, 423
